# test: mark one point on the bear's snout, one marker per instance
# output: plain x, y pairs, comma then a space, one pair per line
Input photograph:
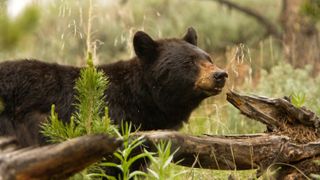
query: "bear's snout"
220, 76
211, 79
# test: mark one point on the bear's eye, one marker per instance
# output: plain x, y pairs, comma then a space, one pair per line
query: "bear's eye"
189, 63
192, 62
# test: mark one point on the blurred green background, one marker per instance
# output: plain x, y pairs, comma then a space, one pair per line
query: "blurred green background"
258, 61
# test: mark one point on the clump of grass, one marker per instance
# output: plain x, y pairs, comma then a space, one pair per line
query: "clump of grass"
273, 168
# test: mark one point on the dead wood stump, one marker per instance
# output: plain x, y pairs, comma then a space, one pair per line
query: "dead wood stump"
57, 161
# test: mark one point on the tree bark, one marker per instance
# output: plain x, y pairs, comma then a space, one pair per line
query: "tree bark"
299, 34
300, 38
57, 161
241, 152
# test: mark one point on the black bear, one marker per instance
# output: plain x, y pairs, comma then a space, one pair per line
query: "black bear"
157, 89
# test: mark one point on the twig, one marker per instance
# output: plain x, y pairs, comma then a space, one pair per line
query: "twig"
270, 27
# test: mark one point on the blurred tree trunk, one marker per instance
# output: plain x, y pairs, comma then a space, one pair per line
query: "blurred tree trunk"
301, 44
299, 34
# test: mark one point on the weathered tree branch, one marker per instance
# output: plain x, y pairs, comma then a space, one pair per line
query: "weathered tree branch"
269, 26
53, 161
280, 116
7, 144
233, 152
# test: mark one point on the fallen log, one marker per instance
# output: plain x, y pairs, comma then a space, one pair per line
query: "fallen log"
57, 161
244, 152
292, 142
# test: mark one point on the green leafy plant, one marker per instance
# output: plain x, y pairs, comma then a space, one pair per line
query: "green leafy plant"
88, 117
90, 93
125, 155
161, 163
283, 80
59, 131
90, 104
311, 8
298, 99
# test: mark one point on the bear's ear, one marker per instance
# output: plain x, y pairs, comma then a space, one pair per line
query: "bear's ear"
191, 36
144, 46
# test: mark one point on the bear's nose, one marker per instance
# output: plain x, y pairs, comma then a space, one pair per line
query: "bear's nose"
221, 75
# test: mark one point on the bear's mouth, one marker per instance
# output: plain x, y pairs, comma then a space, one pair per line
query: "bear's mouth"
212, 91
215, 89
210, 88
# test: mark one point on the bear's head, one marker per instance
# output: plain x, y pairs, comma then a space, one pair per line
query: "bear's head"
176, 71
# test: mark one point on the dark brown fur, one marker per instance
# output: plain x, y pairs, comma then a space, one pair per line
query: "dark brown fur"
157, 89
